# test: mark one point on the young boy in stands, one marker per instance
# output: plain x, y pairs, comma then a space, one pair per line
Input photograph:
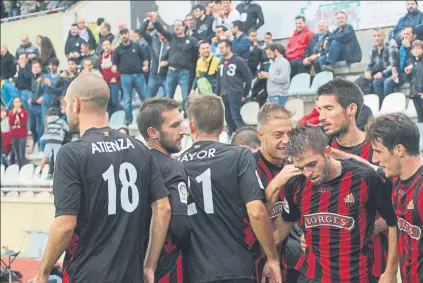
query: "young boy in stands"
56, 129
416, 86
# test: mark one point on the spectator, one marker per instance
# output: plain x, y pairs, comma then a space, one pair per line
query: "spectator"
214, 47
268, 39
343, 45
23, 81
63, 110
240, 43
139, 39
18, 119
8, 93
124, 130
8, 66
56, 129
46, 52
105, 34
256, 54
316, 48
52, 94
381, 60
413, 18
400, 72
363, 117
12, 8
6, 139
247, 137
278, 77
67, 76
225, 15
297, 45
251, 15
204, 24
416, 86
85, 33
73, 44
112, 79
88, 67
190, 25
159, 55
312, 118
96, 32
3, 15
206, 70
28, 48
27, 7
233, 85
36, 124
129, 59
87, 53
209, 8
118, 40
182, 54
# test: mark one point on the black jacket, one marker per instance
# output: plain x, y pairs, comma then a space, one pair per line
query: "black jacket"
254, 13
315, 46
8, 66
73, 44
416, 85
37, 89
204, 29
91, 39
256, 57
382, 61
183, 50
234, 77
24, 79
347, 36
159, 51
129, 58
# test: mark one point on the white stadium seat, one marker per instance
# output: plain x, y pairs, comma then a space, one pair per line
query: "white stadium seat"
300, 83
372, 101
249, 113
2, 169
26, 173
27, 195
320, 79
43, 196
411, 110
224, 138
117, 119
10, 175
12, 195
394, 102
296, 106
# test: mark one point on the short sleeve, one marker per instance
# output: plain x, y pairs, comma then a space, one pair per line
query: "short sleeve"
178, 193
67, 185
380, 191
291, 212
250, 185
156, 189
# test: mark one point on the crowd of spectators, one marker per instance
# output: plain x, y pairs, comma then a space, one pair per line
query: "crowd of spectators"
14, 8
214, 49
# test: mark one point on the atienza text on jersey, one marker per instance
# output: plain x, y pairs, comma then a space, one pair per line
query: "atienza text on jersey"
111, 146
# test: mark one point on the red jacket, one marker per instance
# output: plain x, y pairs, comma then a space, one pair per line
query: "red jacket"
298, 43
18, 124
310, 119
106, 71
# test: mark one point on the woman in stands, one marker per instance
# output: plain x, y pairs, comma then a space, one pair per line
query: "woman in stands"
46, 52
18, 120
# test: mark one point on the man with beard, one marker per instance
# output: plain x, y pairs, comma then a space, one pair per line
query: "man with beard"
340, 102
336, 201
103, 185
161, 125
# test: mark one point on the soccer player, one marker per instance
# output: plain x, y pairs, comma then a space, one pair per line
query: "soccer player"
103, 185
337, 202
395, 141
339, 102
161, 125
247, 137
227, 194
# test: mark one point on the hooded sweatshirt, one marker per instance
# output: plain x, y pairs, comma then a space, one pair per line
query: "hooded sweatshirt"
56, 129
234, 77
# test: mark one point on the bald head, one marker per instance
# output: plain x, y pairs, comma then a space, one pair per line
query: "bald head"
4, 49
91, 90
323, 26
24, 40
81, 22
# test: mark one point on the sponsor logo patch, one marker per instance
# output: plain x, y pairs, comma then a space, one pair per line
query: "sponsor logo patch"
413, 231
183, 192
277, 209
325, 188
328, 219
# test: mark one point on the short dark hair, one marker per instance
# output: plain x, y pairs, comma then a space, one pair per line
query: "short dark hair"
415, 1
394, 129
87, 59
201, 42
26, 55
151, 110
238, 24
105, 41
346, 93
107, 26
54, 61
199, 6
268, 33
86, 44
246, 136
227, 42
52, 111
413, 29
137, 31
100, 21
251, 31
272, 110
276, 46
300, 17
341, 12
207, 112
36, 61
303, 138
73, 60
74, 25
222, 27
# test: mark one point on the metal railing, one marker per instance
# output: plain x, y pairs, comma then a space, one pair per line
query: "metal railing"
33, 15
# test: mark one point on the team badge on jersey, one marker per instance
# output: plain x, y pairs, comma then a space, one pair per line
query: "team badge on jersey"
410, 205
183, 192
349, 200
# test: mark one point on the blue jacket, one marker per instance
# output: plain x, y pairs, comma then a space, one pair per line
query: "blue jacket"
241, 46
8, 93
52, 94
414, 20
347, 37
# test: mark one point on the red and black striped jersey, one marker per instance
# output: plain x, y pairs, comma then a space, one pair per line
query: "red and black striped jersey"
407, 198
339, 218
380, 241
267, 171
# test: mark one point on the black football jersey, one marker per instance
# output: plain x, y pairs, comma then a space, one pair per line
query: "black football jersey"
108, 180
223, 179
